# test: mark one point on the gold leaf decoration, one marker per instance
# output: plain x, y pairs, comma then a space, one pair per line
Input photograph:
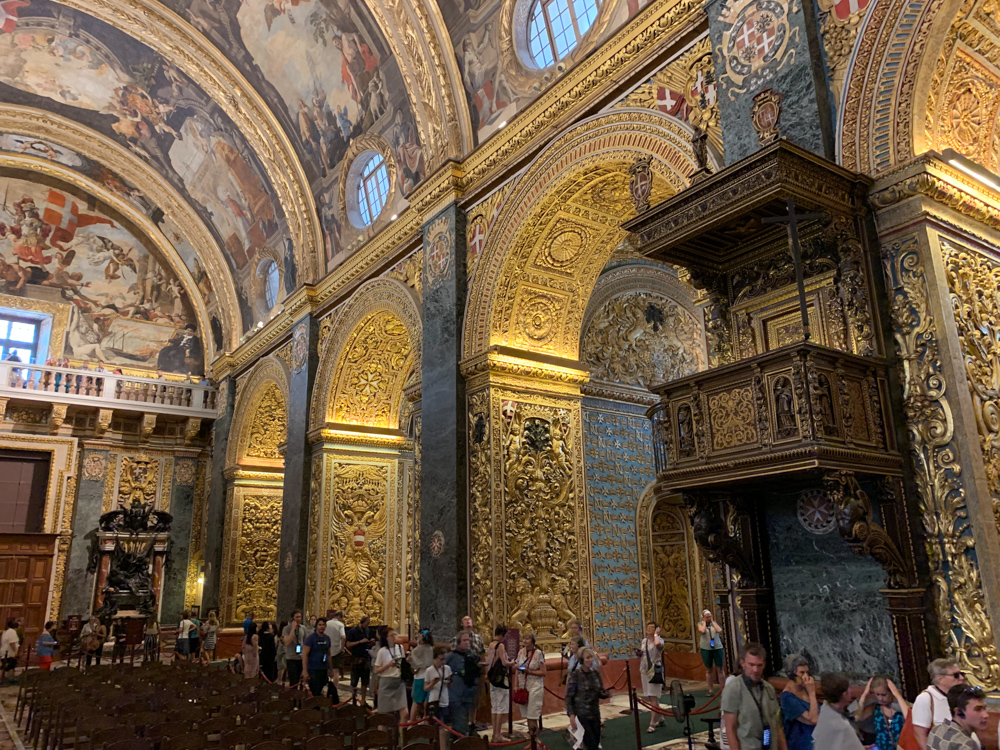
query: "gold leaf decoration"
269, 427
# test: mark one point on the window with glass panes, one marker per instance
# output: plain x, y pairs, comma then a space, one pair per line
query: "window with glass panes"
555, 27
373, 188
20, 336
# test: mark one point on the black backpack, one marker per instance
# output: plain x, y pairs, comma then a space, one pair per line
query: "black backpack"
470, 673
498, 676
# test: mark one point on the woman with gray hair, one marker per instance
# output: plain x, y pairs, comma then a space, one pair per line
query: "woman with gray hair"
931, 706
799, 708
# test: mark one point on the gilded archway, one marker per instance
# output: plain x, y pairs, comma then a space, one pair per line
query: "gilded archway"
255, 470
359, 538
560, 224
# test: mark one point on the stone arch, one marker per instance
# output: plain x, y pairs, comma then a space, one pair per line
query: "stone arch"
642, 326
559, 225
902, 57
255, 470
260, 418
380, 326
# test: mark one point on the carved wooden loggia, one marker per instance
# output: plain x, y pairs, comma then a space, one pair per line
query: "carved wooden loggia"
803, 408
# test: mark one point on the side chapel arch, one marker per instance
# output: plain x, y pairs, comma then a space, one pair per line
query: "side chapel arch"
557, 229
359, 536
255, 468
559, 226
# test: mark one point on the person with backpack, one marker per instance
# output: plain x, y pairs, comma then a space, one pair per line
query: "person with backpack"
651, 671
498, 675
464, 686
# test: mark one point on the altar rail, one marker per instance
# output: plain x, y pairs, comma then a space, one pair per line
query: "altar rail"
797, 408
105, 390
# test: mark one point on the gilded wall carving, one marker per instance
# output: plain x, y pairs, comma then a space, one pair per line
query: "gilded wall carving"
250, 555
269, 426
963, 103
974, 283
960, 605
374, 367
672, 574
196, 555
371, 351
526, 295
481, 509
641, 338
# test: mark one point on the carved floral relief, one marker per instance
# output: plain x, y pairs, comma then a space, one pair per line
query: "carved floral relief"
642, 339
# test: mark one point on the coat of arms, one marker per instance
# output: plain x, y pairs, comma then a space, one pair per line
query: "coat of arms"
756, 43
439, 243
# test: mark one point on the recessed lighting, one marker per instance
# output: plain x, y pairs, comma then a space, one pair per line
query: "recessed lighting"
260, 324
502, 124
393, 217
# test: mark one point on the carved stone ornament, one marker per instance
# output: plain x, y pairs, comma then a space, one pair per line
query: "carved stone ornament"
815, 512
437, 543
439, 248
640, 184
94, 466
136, 496
765, 115
300, 348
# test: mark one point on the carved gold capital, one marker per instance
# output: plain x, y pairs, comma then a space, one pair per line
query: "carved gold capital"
437, 191
502, 365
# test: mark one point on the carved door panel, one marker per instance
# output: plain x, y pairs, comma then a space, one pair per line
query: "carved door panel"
673, 573
25, 578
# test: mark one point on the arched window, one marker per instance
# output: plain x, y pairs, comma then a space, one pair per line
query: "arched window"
373, 188
555, 27
271, 281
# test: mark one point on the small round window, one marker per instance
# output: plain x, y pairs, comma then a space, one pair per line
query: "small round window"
272, 281
373, 187
555, 28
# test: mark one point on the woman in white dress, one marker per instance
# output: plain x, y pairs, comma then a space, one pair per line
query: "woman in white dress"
391, 691
651, 654
496, 657
531, 675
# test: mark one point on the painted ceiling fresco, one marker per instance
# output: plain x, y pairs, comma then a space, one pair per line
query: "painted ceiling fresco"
329, 76
55, 58
127, 308
486, 61
17, 144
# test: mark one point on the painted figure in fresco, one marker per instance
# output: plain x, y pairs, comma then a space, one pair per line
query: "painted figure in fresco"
29, 233
409, 154
358, 64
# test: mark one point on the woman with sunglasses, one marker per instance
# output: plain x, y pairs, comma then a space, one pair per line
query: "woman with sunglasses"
931, 707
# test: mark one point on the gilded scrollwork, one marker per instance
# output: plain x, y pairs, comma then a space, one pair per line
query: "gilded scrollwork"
539, 457
358, 540
732, 418
269, 426
256, 572
950, 542
480, 511
138, 480
643, 339
974, 286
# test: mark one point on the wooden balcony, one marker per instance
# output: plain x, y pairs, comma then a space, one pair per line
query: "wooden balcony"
794, 409
103, 390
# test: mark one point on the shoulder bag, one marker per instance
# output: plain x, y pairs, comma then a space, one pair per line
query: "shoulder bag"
654, 675
520, 695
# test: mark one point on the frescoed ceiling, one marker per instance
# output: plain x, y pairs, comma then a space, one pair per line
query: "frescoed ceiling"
250, 113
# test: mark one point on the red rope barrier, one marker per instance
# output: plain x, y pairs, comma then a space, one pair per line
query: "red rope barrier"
667, 712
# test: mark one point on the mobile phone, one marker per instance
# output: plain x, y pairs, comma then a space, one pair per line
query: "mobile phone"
523, 667
766, 739
298, 648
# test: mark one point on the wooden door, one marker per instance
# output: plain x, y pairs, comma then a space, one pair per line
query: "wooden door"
25, 577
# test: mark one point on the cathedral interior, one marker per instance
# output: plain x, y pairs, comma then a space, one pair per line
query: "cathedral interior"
531, 310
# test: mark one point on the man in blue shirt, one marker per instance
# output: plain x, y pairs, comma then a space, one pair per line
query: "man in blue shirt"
316, 655
464, 683
246, 623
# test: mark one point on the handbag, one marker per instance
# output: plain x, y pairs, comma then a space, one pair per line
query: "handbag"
907, 737
654, 675
520, 695
406, 671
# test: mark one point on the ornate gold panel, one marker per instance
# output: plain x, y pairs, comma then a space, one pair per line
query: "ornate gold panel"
375, 364
269, 427
250, 554
732, 418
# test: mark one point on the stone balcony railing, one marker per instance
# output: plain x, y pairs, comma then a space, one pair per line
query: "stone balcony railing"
103, 390
798, 408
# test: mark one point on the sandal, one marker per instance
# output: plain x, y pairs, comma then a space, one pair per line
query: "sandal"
653, 728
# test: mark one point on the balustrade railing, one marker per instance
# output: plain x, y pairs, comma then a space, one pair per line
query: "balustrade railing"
104, 389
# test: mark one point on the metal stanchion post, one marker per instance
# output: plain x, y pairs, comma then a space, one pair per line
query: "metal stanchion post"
510, 701
634, 704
